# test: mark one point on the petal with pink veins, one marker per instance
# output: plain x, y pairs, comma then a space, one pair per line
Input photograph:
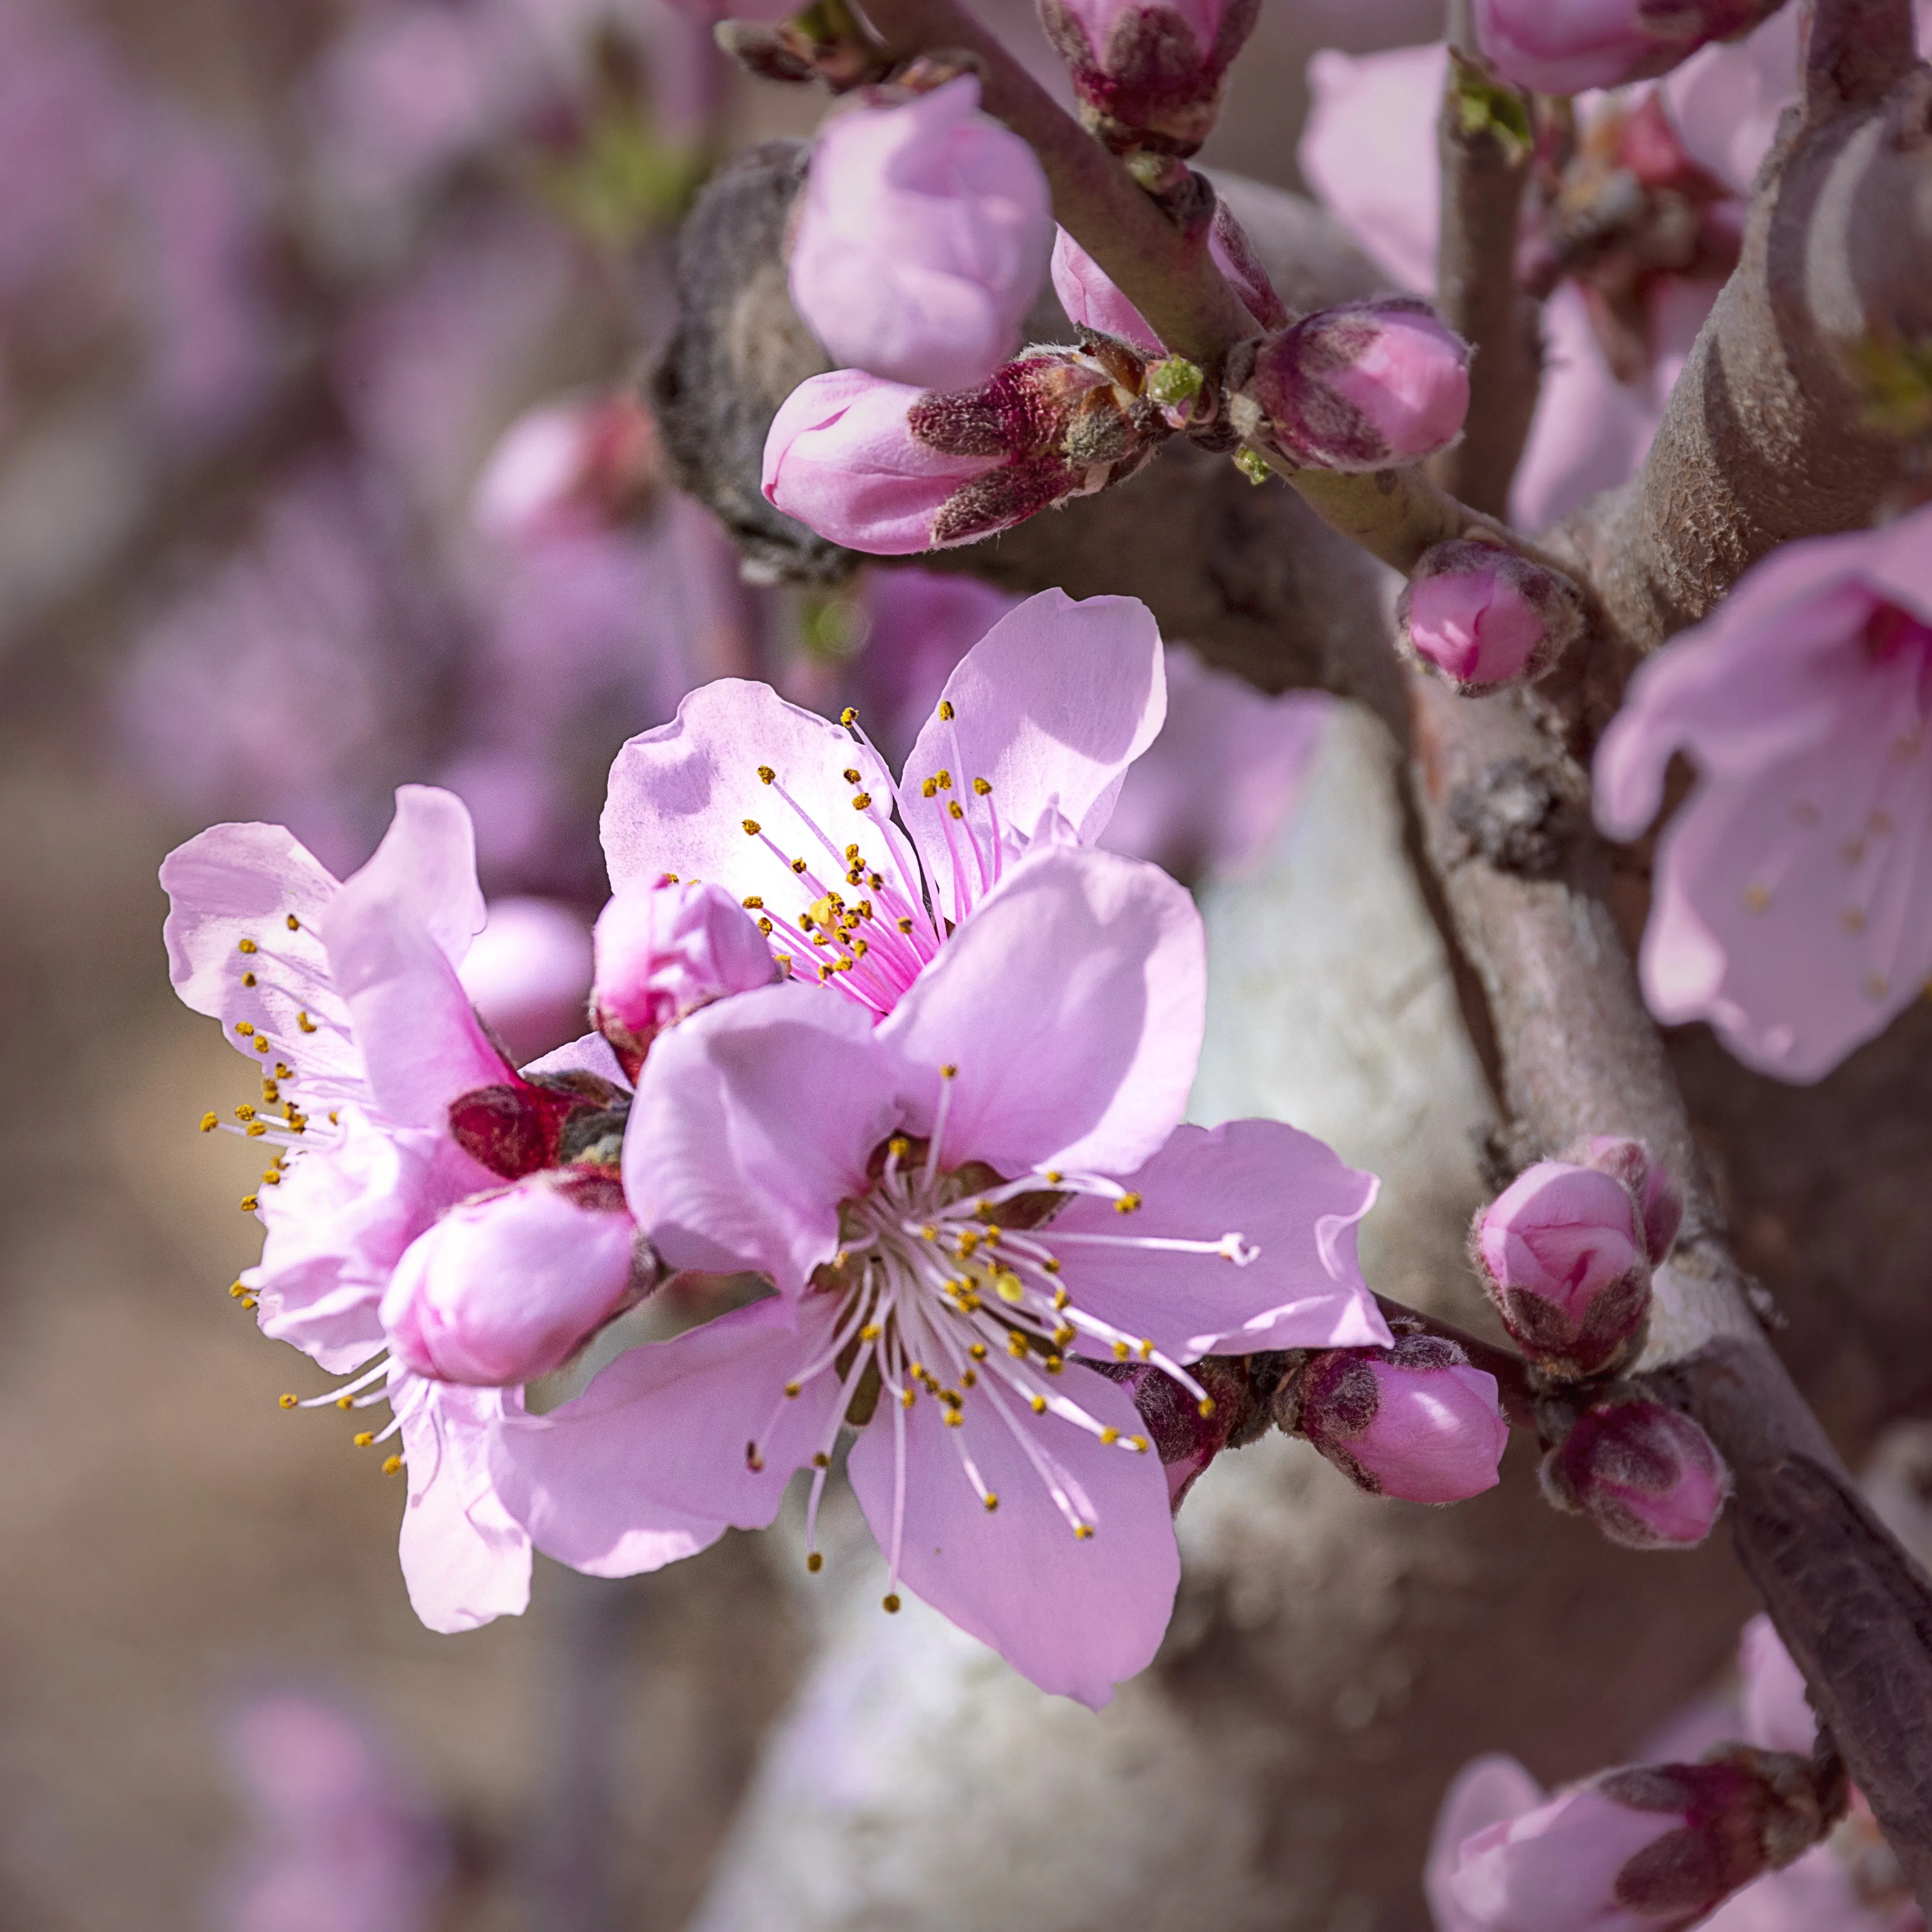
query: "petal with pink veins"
753, 1120
1075, 1615
1282, 1193
1072, 1003
650, 1464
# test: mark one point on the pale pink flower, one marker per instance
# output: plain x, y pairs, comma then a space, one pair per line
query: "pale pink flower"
841, 457
1777, 1713
1487, 1791
956, 1206
385, 1105
528, 975
1029, 743
1793, 906
1566, 46
922, 239
1413, 1419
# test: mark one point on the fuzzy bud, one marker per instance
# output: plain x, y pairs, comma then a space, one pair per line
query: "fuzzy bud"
664, 951
1647, 1475
1482, 616
1185, 1440
1659, 1206
507, 1287
1566, 46
1652, 1848
1149, 75
1361, 387
1561, 1252
922, 239
1416, 1421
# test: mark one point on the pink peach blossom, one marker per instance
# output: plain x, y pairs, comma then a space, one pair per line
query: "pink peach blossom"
1793, 906
1475, 626
922, 239
528, 974
1029, 743
956, 1206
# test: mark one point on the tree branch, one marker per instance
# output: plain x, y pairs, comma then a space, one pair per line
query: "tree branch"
1484, 173
1854, 51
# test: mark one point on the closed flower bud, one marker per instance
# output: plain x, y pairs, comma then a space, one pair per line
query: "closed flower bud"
922, 239
1416, 1420
1149, 75
1647, 1475
1561, 1252
1185, 1440
1565, 46
840, 458
1357, 388
1659, 1206
1650, 1849
1482, 616
507, 1287
664, 951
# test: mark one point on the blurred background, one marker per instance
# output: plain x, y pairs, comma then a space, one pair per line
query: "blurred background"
317, 475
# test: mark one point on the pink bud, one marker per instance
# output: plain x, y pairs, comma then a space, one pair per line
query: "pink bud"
1091, 300
663, 952
1415, 1421
506, 1287
1561, 1254
923, 239
1651, 1849
1565, 46
1185, 1440
1659, 1206
1483, 616
1647, 1475
1149, 75
840, 458
1357, 387
568, 465
528, 974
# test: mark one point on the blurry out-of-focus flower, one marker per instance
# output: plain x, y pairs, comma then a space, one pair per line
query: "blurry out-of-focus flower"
584, 463
334, 1834
528, 974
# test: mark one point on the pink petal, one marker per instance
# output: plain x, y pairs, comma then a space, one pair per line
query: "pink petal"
648, 1465
427, 862
1283, 1191
1050, 707
753, 1120
679, 796
465, 1559
1072, 1003
1487, 1791
1075, 1616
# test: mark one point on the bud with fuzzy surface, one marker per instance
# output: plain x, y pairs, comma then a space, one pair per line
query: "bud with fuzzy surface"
1481, 616
1647, 1475
1416, 1421
1362, 387
1660, 1205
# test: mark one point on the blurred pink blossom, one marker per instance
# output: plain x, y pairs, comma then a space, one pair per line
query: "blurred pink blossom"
528, 974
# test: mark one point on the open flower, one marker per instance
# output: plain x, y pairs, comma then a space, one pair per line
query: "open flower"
385, 1105
960, 1207
1793, 901
1030, 742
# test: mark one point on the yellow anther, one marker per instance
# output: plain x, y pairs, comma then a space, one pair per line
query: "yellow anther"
1053, 1175
969, 1378
345, 1401
851, 855
392, 1465
928, 789
1126, 1203
1053, 1365
791, 1389
245, 1111
237, 1290
980, 786
363, 1437
754, 904
294, 924
751, 828
991, 1501
1120, 1351
952, 808
765, 926
798, 865
1110, 1435
1147, 1349
245, 945
968, 1242
904, 925
286, 1401
848, 717
1140, 1443
905, 1397
255, 1129
1757, 897
898, 1147
210, 1121
249, 1301
307, 1025
249, 1204
875, 880
977, 1350
244, 1029
1063, 1335
286, 1072
948, 1071
1082, 1531
851, 775
1207, 1406
1060, 1297
1051, 1266
953, 1418
248, 979
1037, 1404
1016, 1346
863, 799
814, 1562
753, 1461
943, 780
820, 1460
765, 773
891, 1605
261, 1043
871, 1332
